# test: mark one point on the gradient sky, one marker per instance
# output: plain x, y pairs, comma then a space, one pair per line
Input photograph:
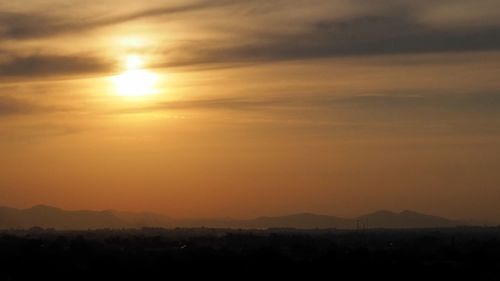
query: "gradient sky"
255, 107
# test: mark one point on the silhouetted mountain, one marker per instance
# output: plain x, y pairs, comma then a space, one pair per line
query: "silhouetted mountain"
51, 217
404, 219
304, 220
144, 219
380, 219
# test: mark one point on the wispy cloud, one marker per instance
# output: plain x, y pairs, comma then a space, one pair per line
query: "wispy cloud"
257, 31
480, 102
383, 34
10, 106
47, 65
20, 26
475, 114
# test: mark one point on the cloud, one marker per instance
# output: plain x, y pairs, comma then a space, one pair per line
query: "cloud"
255, 31
38, 130
20, 26
47, 65
395, 113
471, 102
159, 12
395, 33
461, 13
35, 25
11, 106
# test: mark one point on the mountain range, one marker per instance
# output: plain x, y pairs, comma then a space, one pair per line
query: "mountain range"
52, 217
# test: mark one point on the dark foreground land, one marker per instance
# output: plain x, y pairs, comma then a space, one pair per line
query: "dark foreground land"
157, 254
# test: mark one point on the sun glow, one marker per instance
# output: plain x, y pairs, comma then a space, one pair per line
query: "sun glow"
135, 81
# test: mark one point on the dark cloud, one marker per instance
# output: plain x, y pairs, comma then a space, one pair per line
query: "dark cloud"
368, 35
21, 26
160, 11
258, 31
46, 65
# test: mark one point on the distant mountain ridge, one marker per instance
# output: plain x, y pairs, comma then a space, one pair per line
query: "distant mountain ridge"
52, 217
404, 219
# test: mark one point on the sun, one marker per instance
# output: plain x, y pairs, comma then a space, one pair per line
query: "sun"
135, 81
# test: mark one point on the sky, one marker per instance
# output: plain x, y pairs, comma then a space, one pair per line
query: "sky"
248, 108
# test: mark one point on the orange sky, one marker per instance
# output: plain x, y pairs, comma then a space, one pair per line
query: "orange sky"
248, 108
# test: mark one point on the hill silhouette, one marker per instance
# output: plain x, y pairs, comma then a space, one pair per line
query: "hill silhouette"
52, 217
404, 219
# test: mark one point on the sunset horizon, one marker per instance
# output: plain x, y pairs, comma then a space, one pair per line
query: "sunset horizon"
213, 109
249, 140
